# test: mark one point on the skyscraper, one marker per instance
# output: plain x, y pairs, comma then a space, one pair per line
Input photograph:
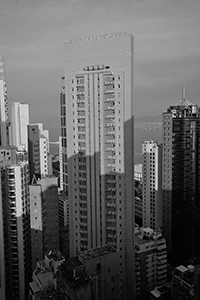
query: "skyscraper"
4, 119
152, 184
97, 139
15, 239
181, 180
19, 123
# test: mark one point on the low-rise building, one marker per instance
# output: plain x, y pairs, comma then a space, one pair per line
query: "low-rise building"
44, 284
186, 283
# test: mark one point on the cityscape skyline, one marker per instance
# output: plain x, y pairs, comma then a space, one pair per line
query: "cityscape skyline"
166, 52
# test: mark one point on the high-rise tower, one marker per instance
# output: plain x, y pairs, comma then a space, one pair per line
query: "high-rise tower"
4, 119
152, 184
15, 238
19, 123
97, 137
181, 180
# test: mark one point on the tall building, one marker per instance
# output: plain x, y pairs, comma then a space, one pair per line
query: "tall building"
44, 217
97, 137
150, 261
19, 123
181, 180
15, 229
152, 184
61, 187
4, 118
38, 148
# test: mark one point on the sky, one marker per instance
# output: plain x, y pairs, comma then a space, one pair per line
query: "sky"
166, 48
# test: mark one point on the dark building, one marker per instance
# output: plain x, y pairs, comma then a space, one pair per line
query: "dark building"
91, 275
181, 180
186, 283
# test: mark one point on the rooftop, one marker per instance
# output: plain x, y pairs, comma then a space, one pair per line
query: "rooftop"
97, 252
55, 255
35, 288
73, 272
43, 276
93, 38
147, 235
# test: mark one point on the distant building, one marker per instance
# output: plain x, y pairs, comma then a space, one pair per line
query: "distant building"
138, 172
44, 217
15, 239
44, 284
150, 261
152, 184
38, 148
4, 118
19, 123
186, 283
61, 187
181, 180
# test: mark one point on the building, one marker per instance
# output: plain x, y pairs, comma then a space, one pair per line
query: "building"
138, 172
97, 138
138, 211
4, 118
152, 184
61, 187
15, 252
150, 261
102, 264
93, 274
181, 180
44, 217
44, 284
38, 148
186, 283
19, 123
63, 212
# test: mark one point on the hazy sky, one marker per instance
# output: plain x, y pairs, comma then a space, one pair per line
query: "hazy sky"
167, 47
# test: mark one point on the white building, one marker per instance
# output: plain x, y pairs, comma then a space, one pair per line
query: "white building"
152, 184
19, 123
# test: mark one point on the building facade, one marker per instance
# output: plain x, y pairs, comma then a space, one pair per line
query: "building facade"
97, 138
181, 180
150, 261
15, 230
152, 184
44, 217
38, 150
19, 123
